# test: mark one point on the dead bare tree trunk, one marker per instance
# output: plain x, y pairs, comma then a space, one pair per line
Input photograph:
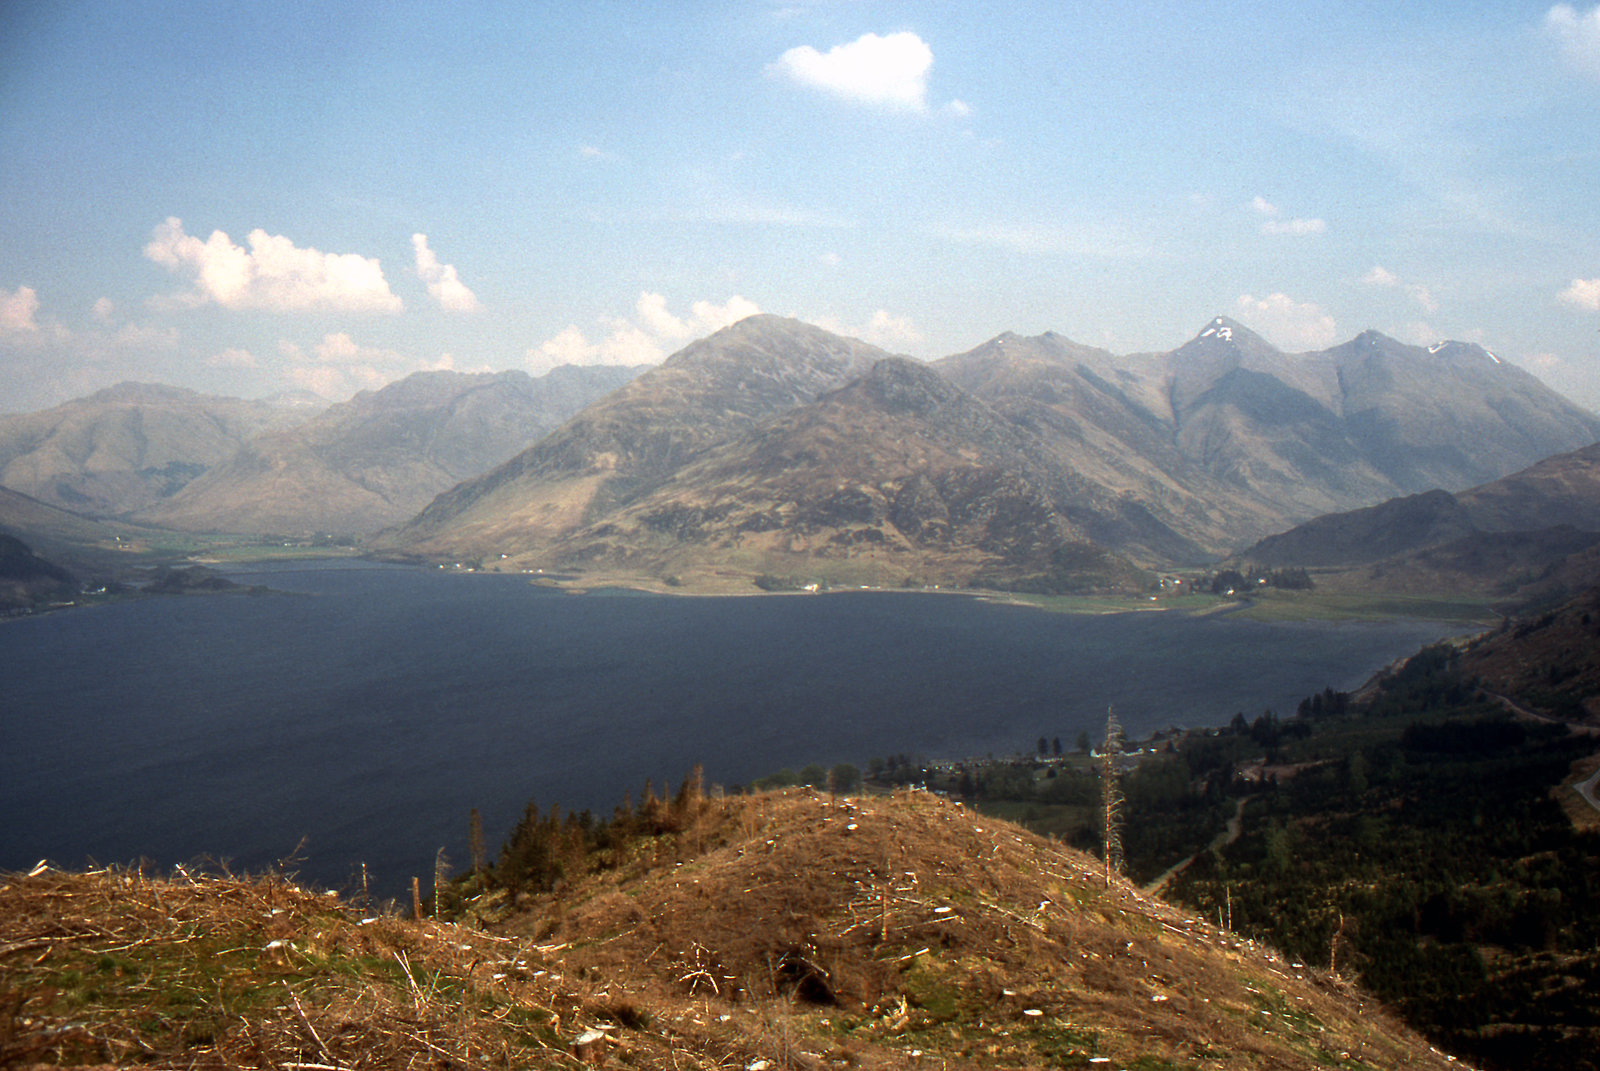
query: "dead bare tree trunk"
1111, 799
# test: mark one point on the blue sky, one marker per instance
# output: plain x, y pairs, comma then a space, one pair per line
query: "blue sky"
247, 198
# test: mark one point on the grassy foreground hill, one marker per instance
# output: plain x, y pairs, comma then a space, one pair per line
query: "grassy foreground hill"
780, 930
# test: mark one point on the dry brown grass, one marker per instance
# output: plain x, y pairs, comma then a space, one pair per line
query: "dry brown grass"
781, 931
873, 928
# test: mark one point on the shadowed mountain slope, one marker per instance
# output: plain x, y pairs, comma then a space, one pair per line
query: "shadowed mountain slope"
1561, 492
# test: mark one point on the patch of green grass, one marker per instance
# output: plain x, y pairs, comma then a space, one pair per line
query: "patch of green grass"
1276, 605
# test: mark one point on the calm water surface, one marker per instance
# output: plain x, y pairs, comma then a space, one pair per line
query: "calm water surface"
369, 708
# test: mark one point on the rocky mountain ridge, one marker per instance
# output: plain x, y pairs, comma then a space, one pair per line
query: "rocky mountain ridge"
1154, 460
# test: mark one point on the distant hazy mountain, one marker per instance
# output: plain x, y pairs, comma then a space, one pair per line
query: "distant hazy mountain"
377, 459
731, 448
128, 446
1226, 438
630, 441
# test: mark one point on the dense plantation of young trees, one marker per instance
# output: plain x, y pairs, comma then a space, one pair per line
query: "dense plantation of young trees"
547, 849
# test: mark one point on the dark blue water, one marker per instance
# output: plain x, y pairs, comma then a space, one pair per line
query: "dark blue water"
370, 708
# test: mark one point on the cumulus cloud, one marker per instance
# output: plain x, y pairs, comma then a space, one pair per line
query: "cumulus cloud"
273, 273
1578, 36
338, 365
103, 310
883, 329
443, 286
17, 311
1382, 277
889, 71
1583, 294
1292, 227
232, 357
646, 338
1294, 325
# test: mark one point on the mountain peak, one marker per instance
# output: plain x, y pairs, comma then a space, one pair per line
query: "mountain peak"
1463, 352
1224, 335
1220, 327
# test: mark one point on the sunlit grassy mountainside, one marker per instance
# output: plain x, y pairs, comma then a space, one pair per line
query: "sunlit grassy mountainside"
777, 930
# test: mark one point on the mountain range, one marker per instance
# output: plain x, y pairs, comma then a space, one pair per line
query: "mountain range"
176, 459
379, 458
127, 447
776, 449
1034, 462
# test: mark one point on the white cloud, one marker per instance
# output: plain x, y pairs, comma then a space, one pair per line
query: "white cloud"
1578, 35
17, 310
273, 274
960, 109
591, 152
648, 338
1382, 277
338, 366
232, 358
1293, 325
103, 310
1292, 227
883, 329
443, 286
1583, 294
888, 71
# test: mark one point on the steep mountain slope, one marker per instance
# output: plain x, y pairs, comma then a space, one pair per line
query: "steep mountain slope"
129, 446
377, 459
26, 578
898, 476
707, 393
1551, 662
1107, 424
1225, 438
